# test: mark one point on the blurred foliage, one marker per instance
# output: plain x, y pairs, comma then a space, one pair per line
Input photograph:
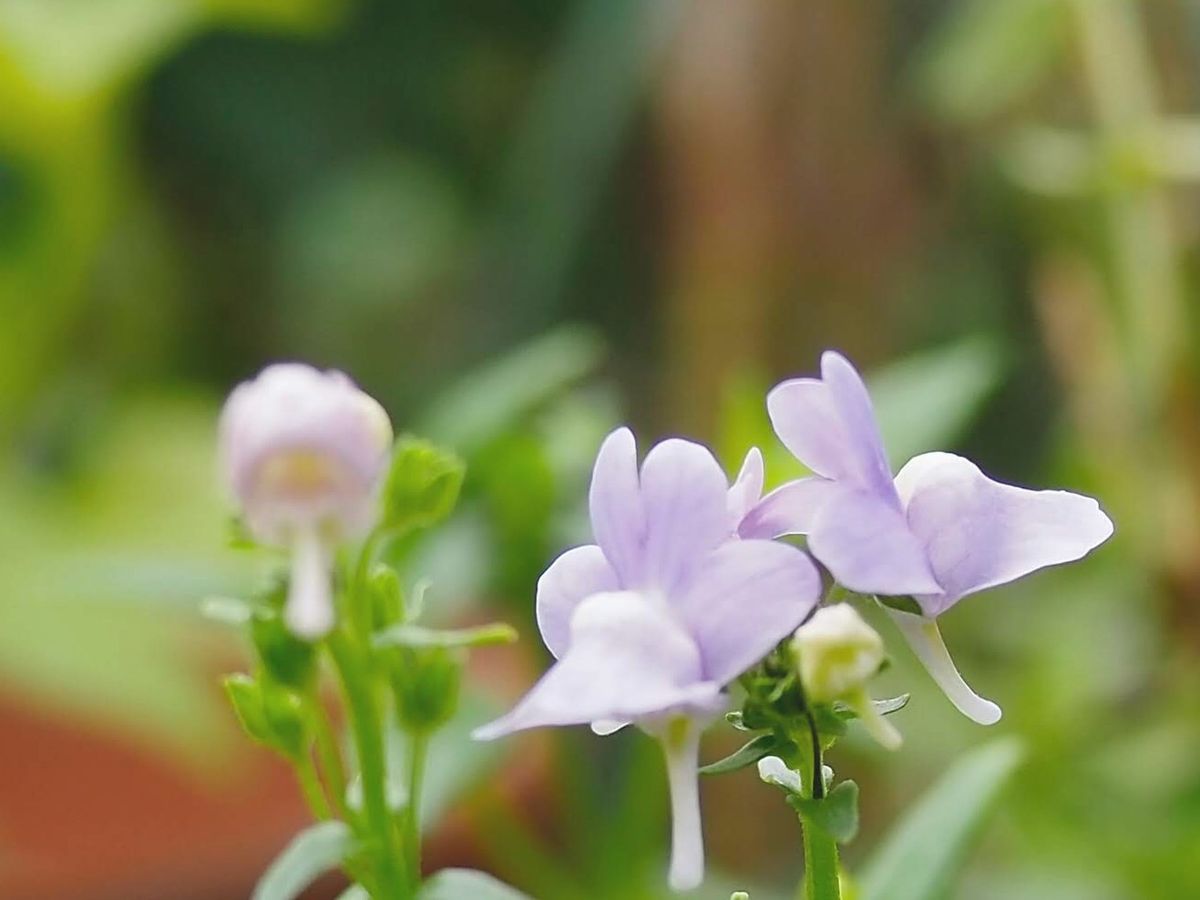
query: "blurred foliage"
430, 197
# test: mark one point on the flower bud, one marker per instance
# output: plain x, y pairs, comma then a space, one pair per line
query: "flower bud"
838, 654
303, 452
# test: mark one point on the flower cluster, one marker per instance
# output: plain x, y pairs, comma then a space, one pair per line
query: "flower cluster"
686, 589
688, 594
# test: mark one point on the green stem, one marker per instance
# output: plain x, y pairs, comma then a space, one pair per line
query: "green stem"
418, 752
368, 740
820, 863
330, 757
310, 785
820, 849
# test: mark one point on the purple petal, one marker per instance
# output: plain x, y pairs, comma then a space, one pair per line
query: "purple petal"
747, 487
684, 498
571, 579
790, 509
626, 659
867, 546
744, 599
804, 417
615, 503
979, 533
865, 457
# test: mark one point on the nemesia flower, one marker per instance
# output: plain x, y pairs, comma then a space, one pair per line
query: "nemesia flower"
302, 451
667, 607
838, 654
939, 531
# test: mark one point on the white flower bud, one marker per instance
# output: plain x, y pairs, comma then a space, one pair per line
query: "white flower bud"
302, 452
838, 654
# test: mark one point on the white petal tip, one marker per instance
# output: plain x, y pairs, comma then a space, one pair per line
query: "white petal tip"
681, 881
985, 712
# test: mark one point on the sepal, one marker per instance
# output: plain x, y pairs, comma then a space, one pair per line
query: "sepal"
422, 485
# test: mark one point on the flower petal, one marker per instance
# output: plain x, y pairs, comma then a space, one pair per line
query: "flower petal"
867, 546
866, 458
979, 533
926, 642
744, 599
684, 497
747, 487
626, 659
572, 578
804, 417
789, 509
829, 425
615, 504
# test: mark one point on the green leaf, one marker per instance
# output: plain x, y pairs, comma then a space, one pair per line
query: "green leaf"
419, 636
926, 849
422, 485
989, 54
924, 402
903, 604
835, 814
747, 755
354, 892
883, 707
467, 884
487, 402
311, 853
226, 610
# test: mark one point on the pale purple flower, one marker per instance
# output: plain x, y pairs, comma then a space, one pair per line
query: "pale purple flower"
939, 531
667, 607
303, 451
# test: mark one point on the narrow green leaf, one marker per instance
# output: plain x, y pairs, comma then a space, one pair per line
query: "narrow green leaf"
419, 636
924, 402
926, 849
836, 814
485, 403
311, 853
467, 884
226, 610
883, 707
746, 755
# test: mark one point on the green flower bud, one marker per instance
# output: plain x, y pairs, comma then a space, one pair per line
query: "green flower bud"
422, 485
426, 682
271, 714
838, 653
289, 660
387, 597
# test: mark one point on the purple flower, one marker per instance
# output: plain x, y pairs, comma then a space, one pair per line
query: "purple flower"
939, 531
667, 607
303, 452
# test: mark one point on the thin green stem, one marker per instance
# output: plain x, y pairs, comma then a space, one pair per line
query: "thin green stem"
329, 756
821, 880
418, 752
310, 785
368, 740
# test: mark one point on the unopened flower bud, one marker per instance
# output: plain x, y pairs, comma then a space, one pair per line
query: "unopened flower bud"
303, 452
838, 654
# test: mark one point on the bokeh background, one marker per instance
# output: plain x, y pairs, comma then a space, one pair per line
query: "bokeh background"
517, 224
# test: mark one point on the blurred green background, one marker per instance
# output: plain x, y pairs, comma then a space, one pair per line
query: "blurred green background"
518, 224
